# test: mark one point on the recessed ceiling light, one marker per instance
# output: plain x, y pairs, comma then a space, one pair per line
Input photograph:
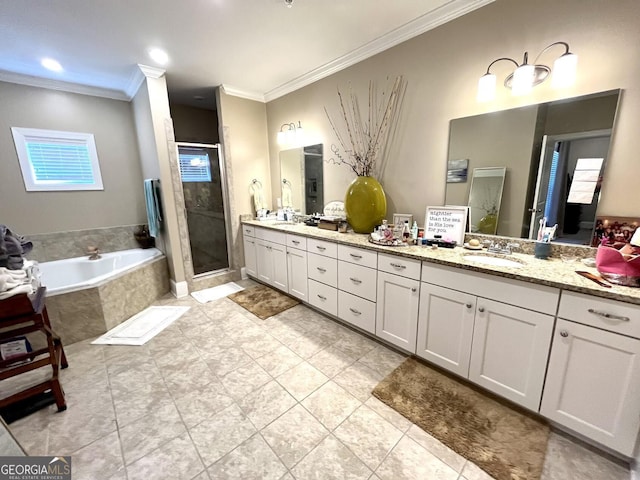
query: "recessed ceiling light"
159, 56
51, 64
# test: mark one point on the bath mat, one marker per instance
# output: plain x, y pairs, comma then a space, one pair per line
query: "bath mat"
507, 444
262, 301
142, 327
215, 293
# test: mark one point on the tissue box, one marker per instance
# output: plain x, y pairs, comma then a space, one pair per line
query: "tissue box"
618, 268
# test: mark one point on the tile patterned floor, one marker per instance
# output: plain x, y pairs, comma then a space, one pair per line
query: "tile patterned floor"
221, 394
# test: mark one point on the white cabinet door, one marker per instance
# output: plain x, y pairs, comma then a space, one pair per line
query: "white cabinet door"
297, 273
510, 350
593, 385
445, 327
279, 258
397, 310
264, 261
250, 259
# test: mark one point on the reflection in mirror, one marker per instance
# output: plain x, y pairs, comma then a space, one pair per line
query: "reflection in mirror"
524, 141
301, 179
485, 197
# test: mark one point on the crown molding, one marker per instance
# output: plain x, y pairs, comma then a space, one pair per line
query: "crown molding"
135, 82
62, 86
151, 72
418, 26
238, 92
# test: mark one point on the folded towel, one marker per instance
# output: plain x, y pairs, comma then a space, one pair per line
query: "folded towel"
17, 290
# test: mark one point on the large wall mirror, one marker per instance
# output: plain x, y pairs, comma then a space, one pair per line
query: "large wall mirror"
301, 179
554, 155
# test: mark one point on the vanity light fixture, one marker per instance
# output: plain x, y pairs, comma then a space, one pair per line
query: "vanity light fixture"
526, 75
288, 3
292, 135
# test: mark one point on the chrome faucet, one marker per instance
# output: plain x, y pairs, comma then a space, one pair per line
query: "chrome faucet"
94, 253
504, 248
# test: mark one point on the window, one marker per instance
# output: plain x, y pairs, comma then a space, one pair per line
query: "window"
51, 160
194, 165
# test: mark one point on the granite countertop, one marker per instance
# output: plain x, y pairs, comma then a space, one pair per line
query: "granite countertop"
551, 272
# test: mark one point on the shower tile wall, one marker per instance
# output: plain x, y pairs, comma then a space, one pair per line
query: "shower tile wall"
59, 245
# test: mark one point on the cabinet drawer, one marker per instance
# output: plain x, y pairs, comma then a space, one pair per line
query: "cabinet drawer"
271, 235
358, 280
611, 315
248, 231
357, 311
321, 247
357, 256
406, 267
323, 297
296, 241
322, 269
521, 294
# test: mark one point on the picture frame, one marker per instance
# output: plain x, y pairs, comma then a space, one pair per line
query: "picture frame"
400, 218
449, 222
457, 170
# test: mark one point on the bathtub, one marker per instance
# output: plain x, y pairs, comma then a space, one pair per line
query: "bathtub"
86, 298
71, 274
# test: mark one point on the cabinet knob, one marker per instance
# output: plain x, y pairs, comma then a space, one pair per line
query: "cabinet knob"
414, 289
469, 305
481, 309
564, 333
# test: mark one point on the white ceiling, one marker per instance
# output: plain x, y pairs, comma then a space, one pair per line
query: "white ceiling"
257, 48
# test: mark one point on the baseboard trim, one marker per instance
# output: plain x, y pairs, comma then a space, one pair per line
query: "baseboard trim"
179, 289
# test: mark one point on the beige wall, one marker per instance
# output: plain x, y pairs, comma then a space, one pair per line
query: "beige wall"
194, 125
111, 121
442, 68
155, 137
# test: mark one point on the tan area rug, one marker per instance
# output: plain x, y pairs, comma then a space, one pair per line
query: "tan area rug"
262, 301
507, 444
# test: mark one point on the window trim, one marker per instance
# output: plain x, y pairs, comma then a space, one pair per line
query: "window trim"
21, 136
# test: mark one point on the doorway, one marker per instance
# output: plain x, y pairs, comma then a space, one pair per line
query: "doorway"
568, 184
202, 176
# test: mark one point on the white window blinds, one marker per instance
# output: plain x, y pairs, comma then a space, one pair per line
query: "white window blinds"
52, 160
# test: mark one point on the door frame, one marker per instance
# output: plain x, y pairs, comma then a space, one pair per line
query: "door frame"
222, 166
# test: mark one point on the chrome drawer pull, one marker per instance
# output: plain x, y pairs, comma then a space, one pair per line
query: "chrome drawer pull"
297, 242
397, 265
322, 297
320, 248
354, 311
321, 270
355, 256
355, 280
609, 315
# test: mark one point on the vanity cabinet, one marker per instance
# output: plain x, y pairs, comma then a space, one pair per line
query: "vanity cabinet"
593, 379
250, 259
297, 273
271, 258
397, 300
357, 276
491, 341
445, 327
322, 265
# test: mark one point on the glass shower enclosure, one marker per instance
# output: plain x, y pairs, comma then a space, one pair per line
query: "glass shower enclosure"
202, 178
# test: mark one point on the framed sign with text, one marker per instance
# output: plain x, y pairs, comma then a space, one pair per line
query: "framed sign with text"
449, 223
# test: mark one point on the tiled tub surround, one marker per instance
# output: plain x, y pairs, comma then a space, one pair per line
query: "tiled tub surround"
552, 272
92, 311
48, 247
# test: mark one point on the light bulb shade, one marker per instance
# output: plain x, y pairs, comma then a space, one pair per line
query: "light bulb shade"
281, 137
486, 88
523, 79
564, 71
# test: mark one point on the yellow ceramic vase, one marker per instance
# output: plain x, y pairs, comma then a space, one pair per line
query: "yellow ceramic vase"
365, 204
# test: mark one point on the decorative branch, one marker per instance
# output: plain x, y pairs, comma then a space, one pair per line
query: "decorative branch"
366, 140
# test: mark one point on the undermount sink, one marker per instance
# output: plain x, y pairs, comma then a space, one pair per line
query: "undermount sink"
493, 261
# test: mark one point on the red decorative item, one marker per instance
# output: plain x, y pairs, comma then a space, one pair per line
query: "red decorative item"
619, 266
